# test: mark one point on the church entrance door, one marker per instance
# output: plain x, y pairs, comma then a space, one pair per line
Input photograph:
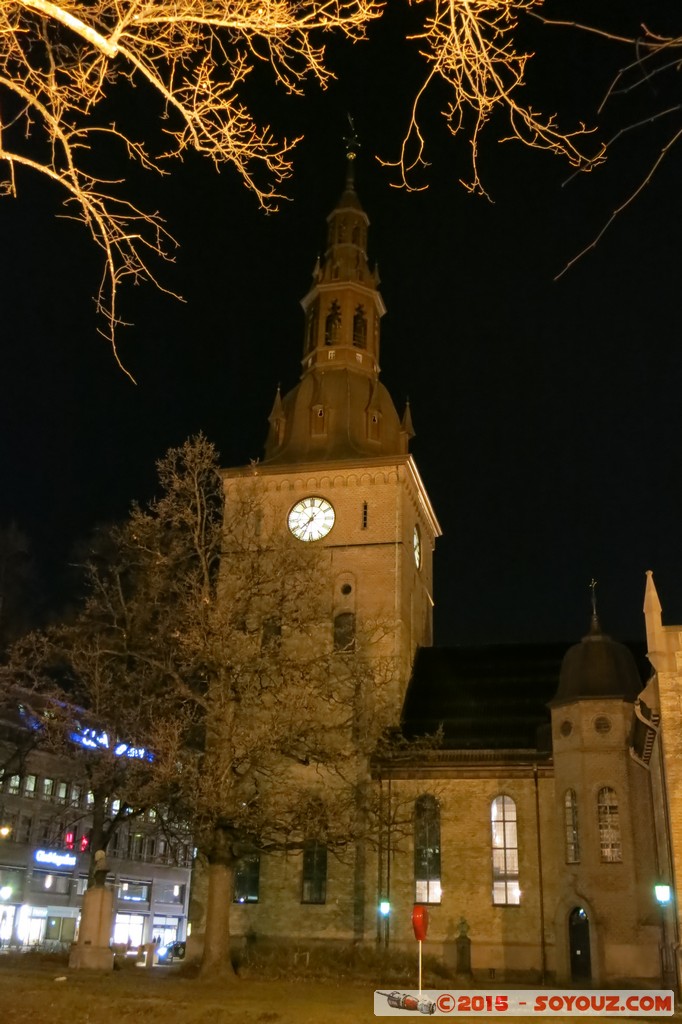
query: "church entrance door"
579, 945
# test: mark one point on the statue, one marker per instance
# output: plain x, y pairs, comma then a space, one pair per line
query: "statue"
101, 869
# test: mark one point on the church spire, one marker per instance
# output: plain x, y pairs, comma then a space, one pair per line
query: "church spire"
340, 409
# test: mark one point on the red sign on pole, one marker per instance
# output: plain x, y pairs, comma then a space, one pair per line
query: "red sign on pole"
420, 922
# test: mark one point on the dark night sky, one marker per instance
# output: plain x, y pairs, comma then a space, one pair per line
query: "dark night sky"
548, 414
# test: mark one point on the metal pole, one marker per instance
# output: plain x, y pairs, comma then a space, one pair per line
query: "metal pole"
420, 967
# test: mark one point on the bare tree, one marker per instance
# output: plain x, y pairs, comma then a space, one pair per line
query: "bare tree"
646, 83
187, 62
206, 644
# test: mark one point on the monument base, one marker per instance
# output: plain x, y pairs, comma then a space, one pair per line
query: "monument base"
93, 958
92, 951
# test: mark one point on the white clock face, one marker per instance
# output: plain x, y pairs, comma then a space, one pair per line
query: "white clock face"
417, 546
311, 519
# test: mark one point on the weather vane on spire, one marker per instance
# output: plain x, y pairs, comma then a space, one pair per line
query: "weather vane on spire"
351, 140
593, 588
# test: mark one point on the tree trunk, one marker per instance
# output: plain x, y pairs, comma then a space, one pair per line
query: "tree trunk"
216, 960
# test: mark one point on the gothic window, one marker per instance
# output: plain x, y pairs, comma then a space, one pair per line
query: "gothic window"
314, 887
427, 850
360, 328
247, 880
505, 850
609, 826
344, 632
571, 827
332, 325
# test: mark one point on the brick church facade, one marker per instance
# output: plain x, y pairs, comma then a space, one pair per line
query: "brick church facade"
538, 825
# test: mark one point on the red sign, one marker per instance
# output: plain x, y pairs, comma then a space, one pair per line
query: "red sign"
420, 922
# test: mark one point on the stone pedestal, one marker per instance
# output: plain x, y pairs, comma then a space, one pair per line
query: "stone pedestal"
92, 951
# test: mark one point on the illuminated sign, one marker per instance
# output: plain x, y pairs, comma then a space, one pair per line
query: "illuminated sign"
94, 740
56, 858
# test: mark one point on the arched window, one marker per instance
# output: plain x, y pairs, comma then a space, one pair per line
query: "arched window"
571, 827
314, 880
332, 324
344, 632
609, 826
505, 848
427, 850
360, 327
311, 327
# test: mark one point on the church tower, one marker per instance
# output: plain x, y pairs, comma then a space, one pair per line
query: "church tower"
337, 470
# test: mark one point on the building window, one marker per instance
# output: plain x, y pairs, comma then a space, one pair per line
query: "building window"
247, 880
90, 799
48, 789
571, 826
14, 785
427, 850
360, 328
30, 786
505, 850
169, 892
344, 632
365, 515
314, 888
61, 792
332, 325
271, 634
609, 826
76, 794
134, 892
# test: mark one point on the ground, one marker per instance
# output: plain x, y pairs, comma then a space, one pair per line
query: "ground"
34, 992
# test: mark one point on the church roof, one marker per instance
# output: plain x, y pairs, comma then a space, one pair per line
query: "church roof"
597, 668
486, 698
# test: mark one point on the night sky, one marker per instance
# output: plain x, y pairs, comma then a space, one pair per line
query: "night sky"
548, 413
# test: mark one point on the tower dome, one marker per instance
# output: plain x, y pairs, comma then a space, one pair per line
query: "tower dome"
597, 667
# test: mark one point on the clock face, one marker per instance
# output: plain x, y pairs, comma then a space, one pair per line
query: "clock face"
417, 547
311, 518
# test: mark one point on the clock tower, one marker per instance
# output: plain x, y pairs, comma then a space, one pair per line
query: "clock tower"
337, 470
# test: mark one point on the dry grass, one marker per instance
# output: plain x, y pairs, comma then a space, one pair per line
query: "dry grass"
44, 991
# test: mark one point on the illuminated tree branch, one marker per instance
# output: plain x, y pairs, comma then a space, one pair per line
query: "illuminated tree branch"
469, 45
60, 62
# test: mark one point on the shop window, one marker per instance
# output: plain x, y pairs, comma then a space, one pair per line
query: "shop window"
247, 880
427, 887
609, 826
505, 850
314, 887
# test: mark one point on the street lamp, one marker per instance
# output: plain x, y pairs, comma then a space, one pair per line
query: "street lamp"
663, 894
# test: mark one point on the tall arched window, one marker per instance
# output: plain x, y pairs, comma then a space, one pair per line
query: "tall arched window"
427, 850
332, 324
609, 826
359, 327
571, 827
344, 632
505, 848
